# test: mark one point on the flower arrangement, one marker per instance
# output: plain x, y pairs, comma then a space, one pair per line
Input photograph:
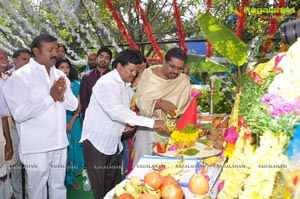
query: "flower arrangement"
187, 137
186, 133
264, 117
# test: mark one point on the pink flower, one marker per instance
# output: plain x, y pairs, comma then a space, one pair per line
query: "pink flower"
207, 178
221, 185
196, 93
287, 108
173, 148
297, 107
277, 60
231, 135
277, 105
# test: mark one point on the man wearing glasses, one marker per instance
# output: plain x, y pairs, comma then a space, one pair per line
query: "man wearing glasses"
161, 91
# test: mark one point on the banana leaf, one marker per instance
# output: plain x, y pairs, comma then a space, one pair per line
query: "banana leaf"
203, 65
223, 39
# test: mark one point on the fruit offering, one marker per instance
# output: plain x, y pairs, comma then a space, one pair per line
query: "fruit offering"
154, 186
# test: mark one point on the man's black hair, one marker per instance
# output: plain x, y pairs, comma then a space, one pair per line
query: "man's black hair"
18, 52
176, 53
37, 42
127, 56
104, 49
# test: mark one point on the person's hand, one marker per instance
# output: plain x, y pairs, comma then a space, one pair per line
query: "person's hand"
161, 127
167, 107
8, 151
58, 89
70, 125
78, 107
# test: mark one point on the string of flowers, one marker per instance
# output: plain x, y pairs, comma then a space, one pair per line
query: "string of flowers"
208, 47
273, 25
179, 27
153, 60
120, 24
241, 19
148, 30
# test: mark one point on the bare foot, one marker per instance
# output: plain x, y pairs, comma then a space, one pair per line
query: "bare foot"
75, 186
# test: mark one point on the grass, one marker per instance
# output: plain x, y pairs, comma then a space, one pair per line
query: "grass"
79, 194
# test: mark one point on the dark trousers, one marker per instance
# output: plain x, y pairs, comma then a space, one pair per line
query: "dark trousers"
104, 171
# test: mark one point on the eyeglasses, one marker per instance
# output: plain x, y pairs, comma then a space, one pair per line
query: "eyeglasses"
178, 68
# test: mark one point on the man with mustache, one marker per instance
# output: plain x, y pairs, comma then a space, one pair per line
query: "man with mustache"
105, 120
38, 96
161, 90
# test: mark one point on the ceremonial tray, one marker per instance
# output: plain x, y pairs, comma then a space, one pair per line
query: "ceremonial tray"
204, 151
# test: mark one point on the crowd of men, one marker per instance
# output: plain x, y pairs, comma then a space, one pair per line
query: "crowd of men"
38, 96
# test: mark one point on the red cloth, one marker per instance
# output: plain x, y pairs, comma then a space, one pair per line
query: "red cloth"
189, 116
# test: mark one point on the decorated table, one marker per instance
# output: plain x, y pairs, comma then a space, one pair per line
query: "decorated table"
147, 163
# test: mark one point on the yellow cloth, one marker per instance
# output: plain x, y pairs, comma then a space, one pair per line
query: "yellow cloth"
151, 88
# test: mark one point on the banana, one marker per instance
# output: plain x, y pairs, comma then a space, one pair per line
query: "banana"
166, 165
135, 181
170, 171
211, 160
119, 190
156, 193
130, 188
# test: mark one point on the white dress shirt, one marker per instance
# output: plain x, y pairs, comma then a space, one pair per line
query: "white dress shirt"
108, 113
41, 122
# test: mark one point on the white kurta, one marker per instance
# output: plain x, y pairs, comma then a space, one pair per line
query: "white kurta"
40, 121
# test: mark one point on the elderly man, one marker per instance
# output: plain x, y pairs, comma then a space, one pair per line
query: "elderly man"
38, 96
6, 146
161, 90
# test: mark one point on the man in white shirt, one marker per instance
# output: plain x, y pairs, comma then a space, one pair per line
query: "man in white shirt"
106, 116
38, 96
20, 58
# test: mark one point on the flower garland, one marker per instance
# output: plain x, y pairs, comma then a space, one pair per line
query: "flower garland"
265, 163
148, 30
153, 60
179, 27
120, 24
273, 26
208, 46
241, 19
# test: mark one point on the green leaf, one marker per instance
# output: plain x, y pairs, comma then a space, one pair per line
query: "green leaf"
195, 61
205, 142
189, 129
190, 152
223, 39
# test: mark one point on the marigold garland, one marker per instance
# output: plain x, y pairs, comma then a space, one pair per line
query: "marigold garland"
179, 27
121, 25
